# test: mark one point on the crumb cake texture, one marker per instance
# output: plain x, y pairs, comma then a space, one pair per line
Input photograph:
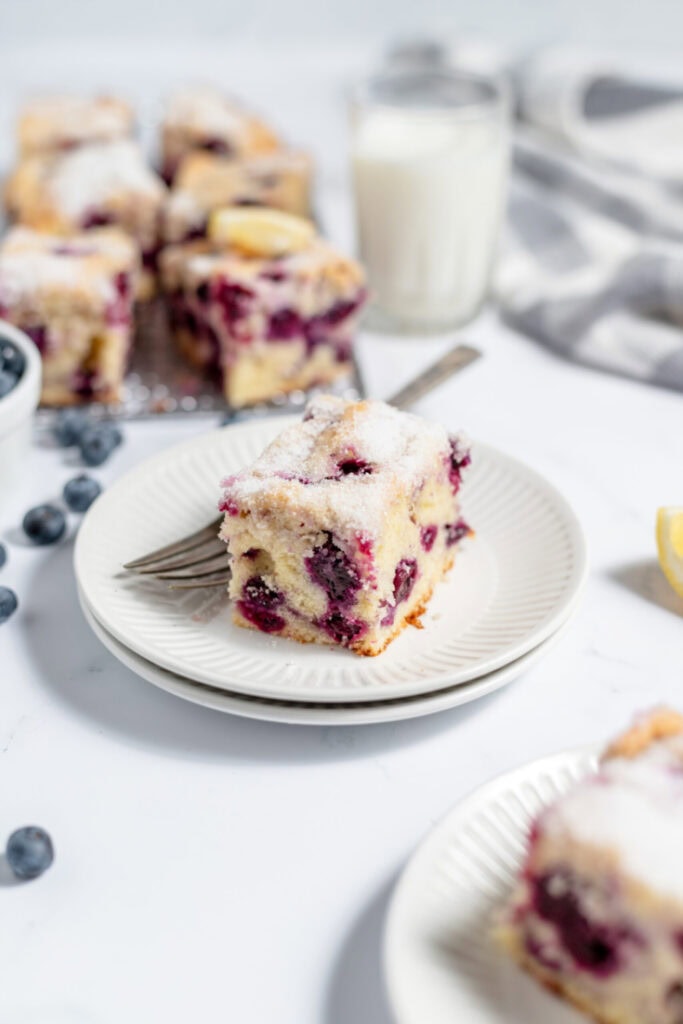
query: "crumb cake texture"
92, 186
56, 123
267, 325
202, 118
73, 295
597, 914
340, 530
205, 182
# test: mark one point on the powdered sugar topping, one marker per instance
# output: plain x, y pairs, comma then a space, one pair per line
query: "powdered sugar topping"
205, 110
92, 175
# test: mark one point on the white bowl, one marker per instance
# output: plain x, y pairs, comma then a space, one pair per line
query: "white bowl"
17, 408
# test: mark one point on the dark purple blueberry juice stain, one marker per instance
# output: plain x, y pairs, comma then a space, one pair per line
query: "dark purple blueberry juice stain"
96, 219
38, 335
229, 506
258, 604
218, 146
459, 459
540, 954
455, 532
83, 383
284, 325
274, 275
342, 628
427, 537
355, 467
332, 569
594, 946
405, 575
233, 299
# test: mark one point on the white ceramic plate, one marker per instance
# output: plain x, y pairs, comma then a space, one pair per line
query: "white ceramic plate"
366, 713
440, 963
510, 589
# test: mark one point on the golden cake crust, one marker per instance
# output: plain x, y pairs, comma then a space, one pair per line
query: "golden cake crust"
660, 724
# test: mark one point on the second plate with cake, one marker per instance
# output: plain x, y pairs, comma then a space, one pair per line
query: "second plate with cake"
510, 589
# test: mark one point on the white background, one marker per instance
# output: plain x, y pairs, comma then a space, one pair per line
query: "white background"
213, 869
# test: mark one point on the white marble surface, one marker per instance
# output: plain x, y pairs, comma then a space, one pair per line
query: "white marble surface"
211, 868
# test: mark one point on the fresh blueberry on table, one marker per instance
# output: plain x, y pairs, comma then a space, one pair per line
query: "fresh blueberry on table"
98, 442
8, 603
80, 492
7, 382
70, 424
3, 555
44, 524
12, 361
29, 852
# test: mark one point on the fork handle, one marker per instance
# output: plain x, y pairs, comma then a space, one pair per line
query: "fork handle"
452, 362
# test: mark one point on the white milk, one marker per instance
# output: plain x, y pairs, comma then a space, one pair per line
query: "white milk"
430, 190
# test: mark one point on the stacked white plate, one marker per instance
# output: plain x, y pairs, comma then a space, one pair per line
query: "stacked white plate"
513, 589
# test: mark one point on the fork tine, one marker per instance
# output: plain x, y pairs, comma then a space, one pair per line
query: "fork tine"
196, 556
212, 566
179, 546
219, 581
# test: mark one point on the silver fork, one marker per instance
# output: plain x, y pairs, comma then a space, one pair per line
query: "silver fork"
199, 560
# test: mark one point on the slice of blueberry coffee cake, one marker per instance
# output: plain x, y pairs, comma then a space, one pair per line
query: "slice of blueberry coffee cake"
202, 118
92, 186
597, 914
266, 302
73, 295
343, 526
205, 182
55, 123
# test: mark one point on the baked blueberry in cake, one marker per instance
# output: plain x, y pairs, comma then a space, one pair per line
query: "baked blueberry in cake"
341, 529
205, 182
597, 913
266, 302
56, 123
73, 295
202, 118
92, 186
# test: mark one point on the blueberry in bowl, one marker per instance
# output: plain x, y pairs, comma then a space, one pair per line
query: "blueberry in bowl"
20, 379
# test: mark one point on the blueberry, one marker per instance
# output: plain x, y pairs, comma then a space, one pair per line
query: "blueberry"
69, 426
80, 492
29, 852
44, 524
11, 359
8, 603
3, 555
98, 442
7, 382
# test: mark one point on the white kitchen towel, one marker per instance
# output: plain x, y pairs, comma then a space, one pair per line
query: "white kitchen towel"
592, 258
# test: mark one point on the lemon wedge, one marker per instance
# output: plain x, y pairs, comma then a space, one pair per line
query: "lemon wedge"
670, 545
260, 232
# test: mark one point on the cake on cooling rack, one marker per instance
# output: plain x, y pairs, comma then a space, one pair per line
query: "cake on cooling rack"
597, 914
203, 118
106, 183
266, 301
205, 182
55, 123
343, 526
73, 295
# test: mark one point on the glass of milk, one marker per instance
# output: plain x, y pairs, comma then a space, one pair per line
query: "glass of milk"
430, 155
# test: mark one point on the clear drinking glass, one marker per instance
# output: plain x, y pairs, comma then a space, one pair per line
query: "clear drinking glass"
430, 155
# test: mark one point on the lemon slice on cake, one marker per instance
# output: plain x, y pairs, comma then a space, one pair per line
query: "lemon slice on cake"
670, 545
260, 232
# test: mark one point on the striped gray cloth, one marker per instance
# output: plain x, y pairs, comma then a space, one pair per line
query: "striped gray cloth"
592, 260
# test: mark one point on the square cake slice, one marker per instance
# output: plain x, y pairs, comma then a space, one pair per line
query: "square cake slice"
205, 182
73, 295
56, 123
273, 317
202, 118
597, 913
92, 186
343, 526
